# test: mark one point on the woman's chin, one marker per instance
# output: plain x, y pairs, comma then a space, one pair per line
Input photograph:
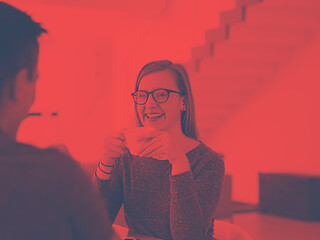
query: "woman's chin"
156, 125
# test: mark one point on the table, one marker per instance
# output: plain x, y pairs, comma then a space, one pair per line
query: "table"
122, 232
147, 238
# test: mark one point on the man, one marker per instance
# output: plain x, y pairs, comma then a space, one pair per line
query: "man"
43, 193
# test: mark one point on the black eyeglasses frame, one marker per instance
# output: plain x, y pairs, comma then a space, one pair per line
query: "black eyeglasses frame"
152, 92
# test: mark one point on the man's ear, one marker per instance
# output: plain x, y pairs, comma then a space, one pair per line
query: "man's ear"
17, 86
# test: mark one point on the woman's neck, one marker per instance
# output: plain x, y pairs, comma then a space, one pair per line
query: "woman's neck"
186, 143
176, 133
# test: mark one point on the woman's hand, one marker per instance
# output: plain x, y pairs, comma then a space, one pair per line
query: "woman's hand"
114, 148
158, 146
162, 147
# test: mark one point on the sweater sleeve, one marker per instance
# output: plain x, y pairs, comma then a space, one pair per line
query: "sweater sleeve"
80, 200
194, 200
112, 192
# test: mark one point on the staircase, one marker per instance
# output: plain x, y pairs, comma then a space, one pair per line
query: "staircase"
254, 41
252, 44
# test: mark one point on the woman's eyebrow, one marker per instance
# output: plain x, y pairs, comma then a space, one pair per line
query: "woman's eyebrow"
148, 90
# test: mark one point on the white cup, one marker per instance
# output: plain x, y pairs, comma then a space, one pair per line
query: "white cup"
136, 137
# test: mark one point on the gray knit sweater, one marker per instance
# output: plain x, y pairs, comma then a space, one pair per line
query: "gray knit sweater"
159, 204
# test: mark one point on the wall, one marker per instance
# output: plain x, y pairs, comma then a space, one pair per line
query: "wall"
76, 80
89, 61
278, 130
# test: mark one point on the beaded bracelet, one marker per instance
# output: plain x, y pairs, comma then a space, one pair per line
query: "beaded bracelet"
109, 173
95, 174
105, 164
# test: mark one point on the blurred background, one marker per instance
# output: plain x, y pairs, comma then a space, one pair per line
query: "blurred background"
254, 70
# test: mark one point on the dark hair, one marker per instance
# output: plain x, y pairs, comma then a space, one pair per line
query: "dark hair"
188, 119
19, 45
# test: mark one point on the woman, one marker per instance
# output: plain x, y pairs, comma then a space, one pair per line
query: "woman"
169, 191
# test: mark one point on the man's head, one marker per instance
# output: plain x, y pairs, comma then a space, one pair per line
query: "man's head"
19, 50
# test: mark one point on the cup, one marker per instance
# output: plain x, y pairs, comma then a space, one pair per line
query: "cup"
136, 137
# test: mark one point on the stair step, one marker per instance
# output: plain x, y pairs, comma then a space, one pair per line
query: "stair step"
283, 16
233, 16
294, 3
216, 35
246, 51
237, 68
272, 35
202, 51
192, 66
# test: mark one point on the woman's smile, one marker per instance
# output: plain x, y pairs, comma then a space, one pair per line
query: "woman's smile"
152, 117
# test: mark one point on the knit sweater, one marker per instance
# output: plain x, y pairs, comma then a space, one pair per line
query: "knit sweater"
162, 205
46, 195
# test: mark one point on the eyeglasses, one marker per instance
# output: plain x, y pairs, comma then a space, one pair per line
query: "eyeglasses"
160, 95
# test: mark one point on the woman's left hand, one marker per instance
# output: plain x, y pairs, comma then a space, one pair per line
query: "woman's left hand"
162, 147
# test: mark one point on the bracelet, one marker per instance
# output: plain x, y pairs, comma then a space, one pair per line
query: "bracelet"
95, 173
109, 173
105, 164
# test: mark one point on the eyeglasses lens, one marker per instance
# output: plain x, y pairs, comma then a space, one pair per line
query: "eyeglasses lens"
140, 97
160, 95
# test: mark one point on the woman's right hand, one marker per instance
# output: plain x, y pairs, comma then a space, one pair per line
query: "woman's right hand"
114, 148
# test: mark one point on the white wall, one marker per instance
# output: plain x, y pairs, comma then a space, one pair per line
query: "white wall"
279, 129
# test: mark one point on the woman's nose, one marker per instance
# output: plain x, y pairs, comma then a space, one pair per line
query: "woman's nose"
151, 101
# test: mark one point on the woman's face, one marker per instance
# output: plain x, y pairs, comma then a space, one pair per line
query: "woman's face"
161, 116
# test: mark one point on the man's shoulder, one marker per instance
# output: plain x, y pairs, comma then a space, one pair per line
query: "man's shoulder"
25, 153
48, 167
